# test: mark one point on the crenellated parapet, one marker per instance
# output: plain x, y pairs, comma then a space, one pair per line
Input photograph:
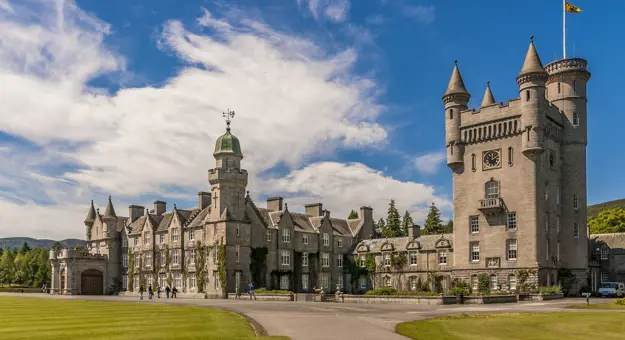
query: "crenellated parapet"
217, 175
578, 66
73, 253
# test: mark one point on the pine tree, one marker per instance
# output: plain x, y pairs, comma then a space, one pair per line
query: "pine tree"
449, 228
393, 222
25, 248
379, 227
407, 222
353, 215
433, 223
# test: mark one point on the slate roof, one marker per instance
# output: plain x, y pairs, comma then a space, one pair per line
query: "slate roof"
121, 222
613, 240
137, 226
427, 242
303, 222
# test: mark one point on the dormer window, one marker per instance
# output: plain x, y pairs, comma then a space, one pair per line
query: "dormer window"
492, 189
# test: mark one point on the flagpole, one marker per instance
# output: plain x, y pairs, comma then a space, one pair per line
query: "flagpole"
563, 29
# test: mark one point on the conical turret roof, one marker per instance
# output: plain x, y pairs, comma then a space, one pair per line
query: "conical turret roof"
489, 99
532, 62
91, 214
456, 84
109, 213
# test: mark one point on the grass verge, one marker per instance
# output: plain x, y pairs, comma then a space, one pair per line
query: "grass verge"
609, 306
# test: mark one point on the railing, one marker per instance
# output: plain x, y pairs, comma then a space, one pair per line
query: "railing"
490, 203
566, 64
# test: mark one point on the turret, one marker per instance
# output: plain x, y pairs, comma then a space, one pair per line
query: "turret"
531, 82
89, 221
109, 218
488, 99
456, 100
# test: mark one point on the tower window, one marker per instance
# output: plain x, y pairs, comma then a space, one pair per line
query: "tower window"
473, 167
451, 113
510, 159
527, 95
575, 201
575, 119
559, 88
574, 85
492, 189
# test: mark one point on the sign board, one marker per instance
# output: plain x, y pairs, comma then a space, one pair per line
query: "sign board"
586, 295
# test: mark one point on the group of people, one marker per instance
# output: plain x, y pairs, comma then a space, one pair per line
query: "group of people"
251, 291
168, 290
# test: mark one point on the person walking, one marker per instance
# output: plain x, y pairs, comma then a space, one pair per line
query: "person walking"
252, 291
141, 292
237, 292
158, 292
167, 290
150, 292
174, 291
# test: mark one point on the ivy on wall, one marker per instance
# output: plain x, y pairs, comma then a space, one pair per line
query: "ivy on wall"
221, 268
200, 263
131, 271
168, 278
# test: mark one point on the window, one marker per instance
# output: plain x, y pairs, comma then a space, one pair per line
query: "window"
192, 235
268, 235
451, 113
474, 283
552, 158
325, 260
473, 166
285, 258
284, 282
559, 87
492, 189
474, 222
192, 256
148, 260
442, 257
238, 231
163, 258
339, 260
150, 279
575, 201
161, 280
511, 221
216, 280
547, 252
174, 235
475, 251
494, 285
512, 282
192, 280
363, 283
605, 251
340, 281
177, 280
136, 282
136, 241
305, 239
387, 281
576, 230
326, 239
527, 95
325, 280
175, 256
387, 259
304, 281
558, 251
237, 251
304, 259
362, 261
558, 195
146, 238
137, 260
413, 258
125, 282
286, 235
125, 260
604, 277
575, 119
339, 242
547, 223
124, 242
215, 256
510, 157
574, 85
511, 250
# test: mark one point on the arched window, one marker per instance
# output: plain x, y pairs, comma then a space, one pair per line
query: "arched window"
494, 284
575, 119
512, 282
451, 113
492, 189
473, 166
510, 159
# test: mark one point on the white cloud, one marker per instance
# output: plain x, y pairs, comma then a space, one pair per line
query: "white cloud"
295, 101
421, 13
429, 163
333, 10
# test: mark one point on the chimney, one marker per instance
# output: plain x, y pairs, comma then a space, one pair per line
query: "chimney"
274, 203
203, 199
314, 209
160, 207
366, 214
414, 231
134, 212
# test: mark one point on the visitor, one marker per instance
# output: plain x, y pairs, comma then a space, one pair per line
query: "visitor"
141, 292
150, 292
252, 291
158, 292
167, 290
174, 291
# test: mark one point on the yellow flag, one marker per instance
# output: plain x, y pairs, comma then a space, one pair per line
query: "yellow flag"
572, 9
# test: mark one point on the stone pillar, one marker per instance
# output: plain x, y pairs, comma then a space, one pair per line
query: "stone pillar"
54, 281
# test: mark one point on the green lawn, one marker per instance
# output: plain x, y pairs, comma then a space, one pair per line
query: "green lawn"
40, 318
517, 326
610, 305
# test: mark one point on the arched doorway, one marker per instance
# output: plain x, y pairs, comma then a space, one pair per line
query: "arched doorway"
91, 282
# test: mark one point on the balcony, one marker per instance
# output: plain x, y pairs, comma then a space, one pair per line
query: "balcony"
490, 205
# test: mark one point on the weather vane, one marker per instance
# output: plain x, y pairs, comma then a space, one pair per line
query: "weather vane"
228, 117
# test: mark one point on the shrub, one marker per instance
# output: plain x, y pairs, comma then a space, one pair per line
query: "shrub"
458, 291
547, 290
620, 301
265, 291
382, 291
483, 286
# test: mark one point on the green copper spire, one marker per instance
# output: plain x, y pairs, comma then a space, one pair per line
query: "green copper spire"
228, 144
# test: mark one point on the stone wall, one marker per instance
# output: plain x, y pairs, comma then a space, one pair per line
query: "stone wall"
479, 300
402, 300
264, 297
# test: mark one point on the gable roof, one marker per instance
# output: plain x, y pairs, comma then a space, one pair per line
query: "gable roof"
427, 242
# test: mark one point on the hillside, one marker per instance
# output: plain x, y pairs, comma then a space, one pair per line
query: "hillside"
16, 242
595, 209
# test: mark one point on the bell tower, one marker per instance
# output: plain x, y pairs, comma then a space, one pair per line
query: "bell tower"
227, 179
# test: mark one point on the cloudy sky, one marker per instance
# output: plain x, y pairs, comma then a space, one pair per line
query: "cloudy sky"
336, 101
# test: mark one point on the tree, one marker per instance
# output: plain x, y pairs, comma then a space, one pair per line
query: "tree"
608, 221
449, 228
407, 222
57, 245
25, 248
379, 227
353, 215
433, 223
393, 222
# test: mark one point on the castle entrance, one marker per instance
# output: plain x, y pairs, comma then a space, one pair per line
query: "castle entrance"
91, 282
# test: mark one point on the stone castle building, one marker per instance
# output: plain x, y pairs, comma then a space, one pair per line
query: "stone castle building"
225, 242
519, 186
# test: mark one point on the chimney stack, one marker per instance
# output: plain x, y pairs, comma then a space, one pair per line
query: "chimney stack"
414, 231
134, 212
314, 209
203, 199
160, 207
274, 203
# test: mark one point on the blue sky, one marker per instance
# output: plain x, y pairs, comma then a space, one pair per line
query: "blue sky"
337, 101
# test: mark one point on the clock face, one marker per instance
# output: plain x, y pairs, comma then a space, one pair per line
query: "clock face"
491, 159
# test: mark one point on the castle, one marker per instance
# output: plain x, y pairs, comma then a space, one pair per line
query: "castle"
519, 194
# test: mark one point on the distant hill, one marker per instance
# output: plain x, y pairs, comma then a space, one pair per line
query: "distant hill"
595, 209
16, 242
